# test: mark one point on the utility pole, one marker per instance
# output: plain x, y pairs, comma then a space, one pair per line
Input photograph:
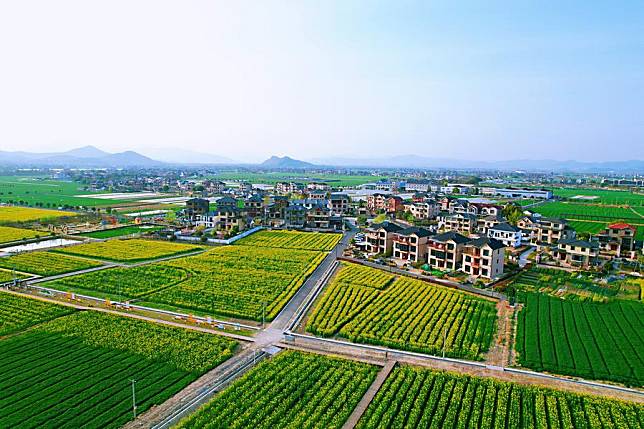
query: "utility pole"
263, 313
444, 340
133, 398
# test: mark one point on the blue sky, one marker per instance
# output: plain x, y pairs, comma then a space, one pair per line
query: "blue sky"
248, 79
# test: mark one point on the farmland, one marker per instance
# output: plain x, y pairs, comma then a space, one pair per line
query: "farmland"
133, 250
18, 313
413, 397
363, 305
76, 370
234, 281
598, 341
291, 390
604, 196
9, 234
118, 282
122, 231
7, 276
336, 180
34, 190
579, 286
46, 263
26, 214
292, 240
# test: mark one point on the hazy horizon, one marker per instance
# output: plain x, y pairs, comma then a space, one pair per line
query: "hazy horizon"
247, 80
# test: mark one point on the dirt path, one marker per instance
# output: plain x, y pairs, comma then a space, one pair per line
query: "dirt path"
359, 410
499, 353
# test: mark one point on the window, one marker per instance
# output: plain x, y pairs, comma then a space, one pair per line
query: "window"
486, 252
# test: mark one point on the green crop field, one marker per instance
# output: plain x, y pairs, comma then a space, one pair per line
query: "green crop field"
604, 196
8, 275
590, 340
75, 371
46, 263
291, 390
34, 190
12, 214
132, 250
422, 398
119, 232
17, 313
118, 283
227, 281
587, 226
333, 180
292, 240
365, 306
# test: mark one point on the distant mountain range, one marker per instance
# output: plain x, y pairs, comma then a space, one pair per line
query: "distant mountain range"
92, 157
84, 157
415, 161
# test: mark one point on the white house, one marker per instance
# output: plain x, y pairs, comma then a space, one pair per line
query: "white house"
507, 234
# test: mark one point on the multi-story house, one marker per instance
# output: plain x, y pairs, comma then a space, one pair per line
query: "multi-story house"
295, 216
485, 209
618, 239
317, 194
410, 244
196, 207
528, 227
423, 210
376, 202
544, 194
285, 188
483, 257
462, 206
379, 237
338, 204
445, 250
507, 234
316, 186
487, 222
318, 216
223, 219
254, 206
214, 187
395, 204
549, 231
464, 223
226, 203
577, 253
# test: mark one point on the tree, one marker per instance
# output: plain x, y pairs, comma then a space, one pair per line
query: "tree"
512, 213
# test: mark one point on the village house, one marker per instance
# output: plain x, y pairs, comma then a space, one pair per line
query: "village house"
507, 234
483, 224
196, 207
379, 237
445, 250
577, 253
483, 257
423, 210
376, 202
338, 204
617, 240
295, 216
464, 223
410, 244
395, 204
549, 231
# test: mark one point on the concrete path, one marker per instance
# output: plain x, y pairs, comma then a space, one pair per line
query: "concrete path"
357, 413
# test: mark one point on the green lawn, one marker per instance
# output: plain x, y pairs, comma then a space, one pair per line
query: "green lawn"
605, 196
119, 232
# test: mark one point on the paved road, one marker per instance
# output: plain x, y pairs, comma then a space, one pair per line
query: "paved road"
523, 258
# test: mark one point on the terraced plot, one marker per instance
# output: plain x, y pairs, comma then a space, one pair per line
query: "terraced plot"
17, 314
291, 390
363, 305
9, 234
597, 341
76, 371
292, 240
46, 263
422, 398
133, 250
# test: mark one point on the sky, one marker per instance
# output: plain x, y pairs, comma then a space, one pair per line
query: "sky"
475, 80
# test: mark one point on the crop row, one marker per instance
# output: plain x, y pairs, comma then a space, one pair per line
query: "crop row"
321, 241
129, 250
414, 398
46, 263
18, 313
291, 390
600, 341
8, 276
56, 381
408, 314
